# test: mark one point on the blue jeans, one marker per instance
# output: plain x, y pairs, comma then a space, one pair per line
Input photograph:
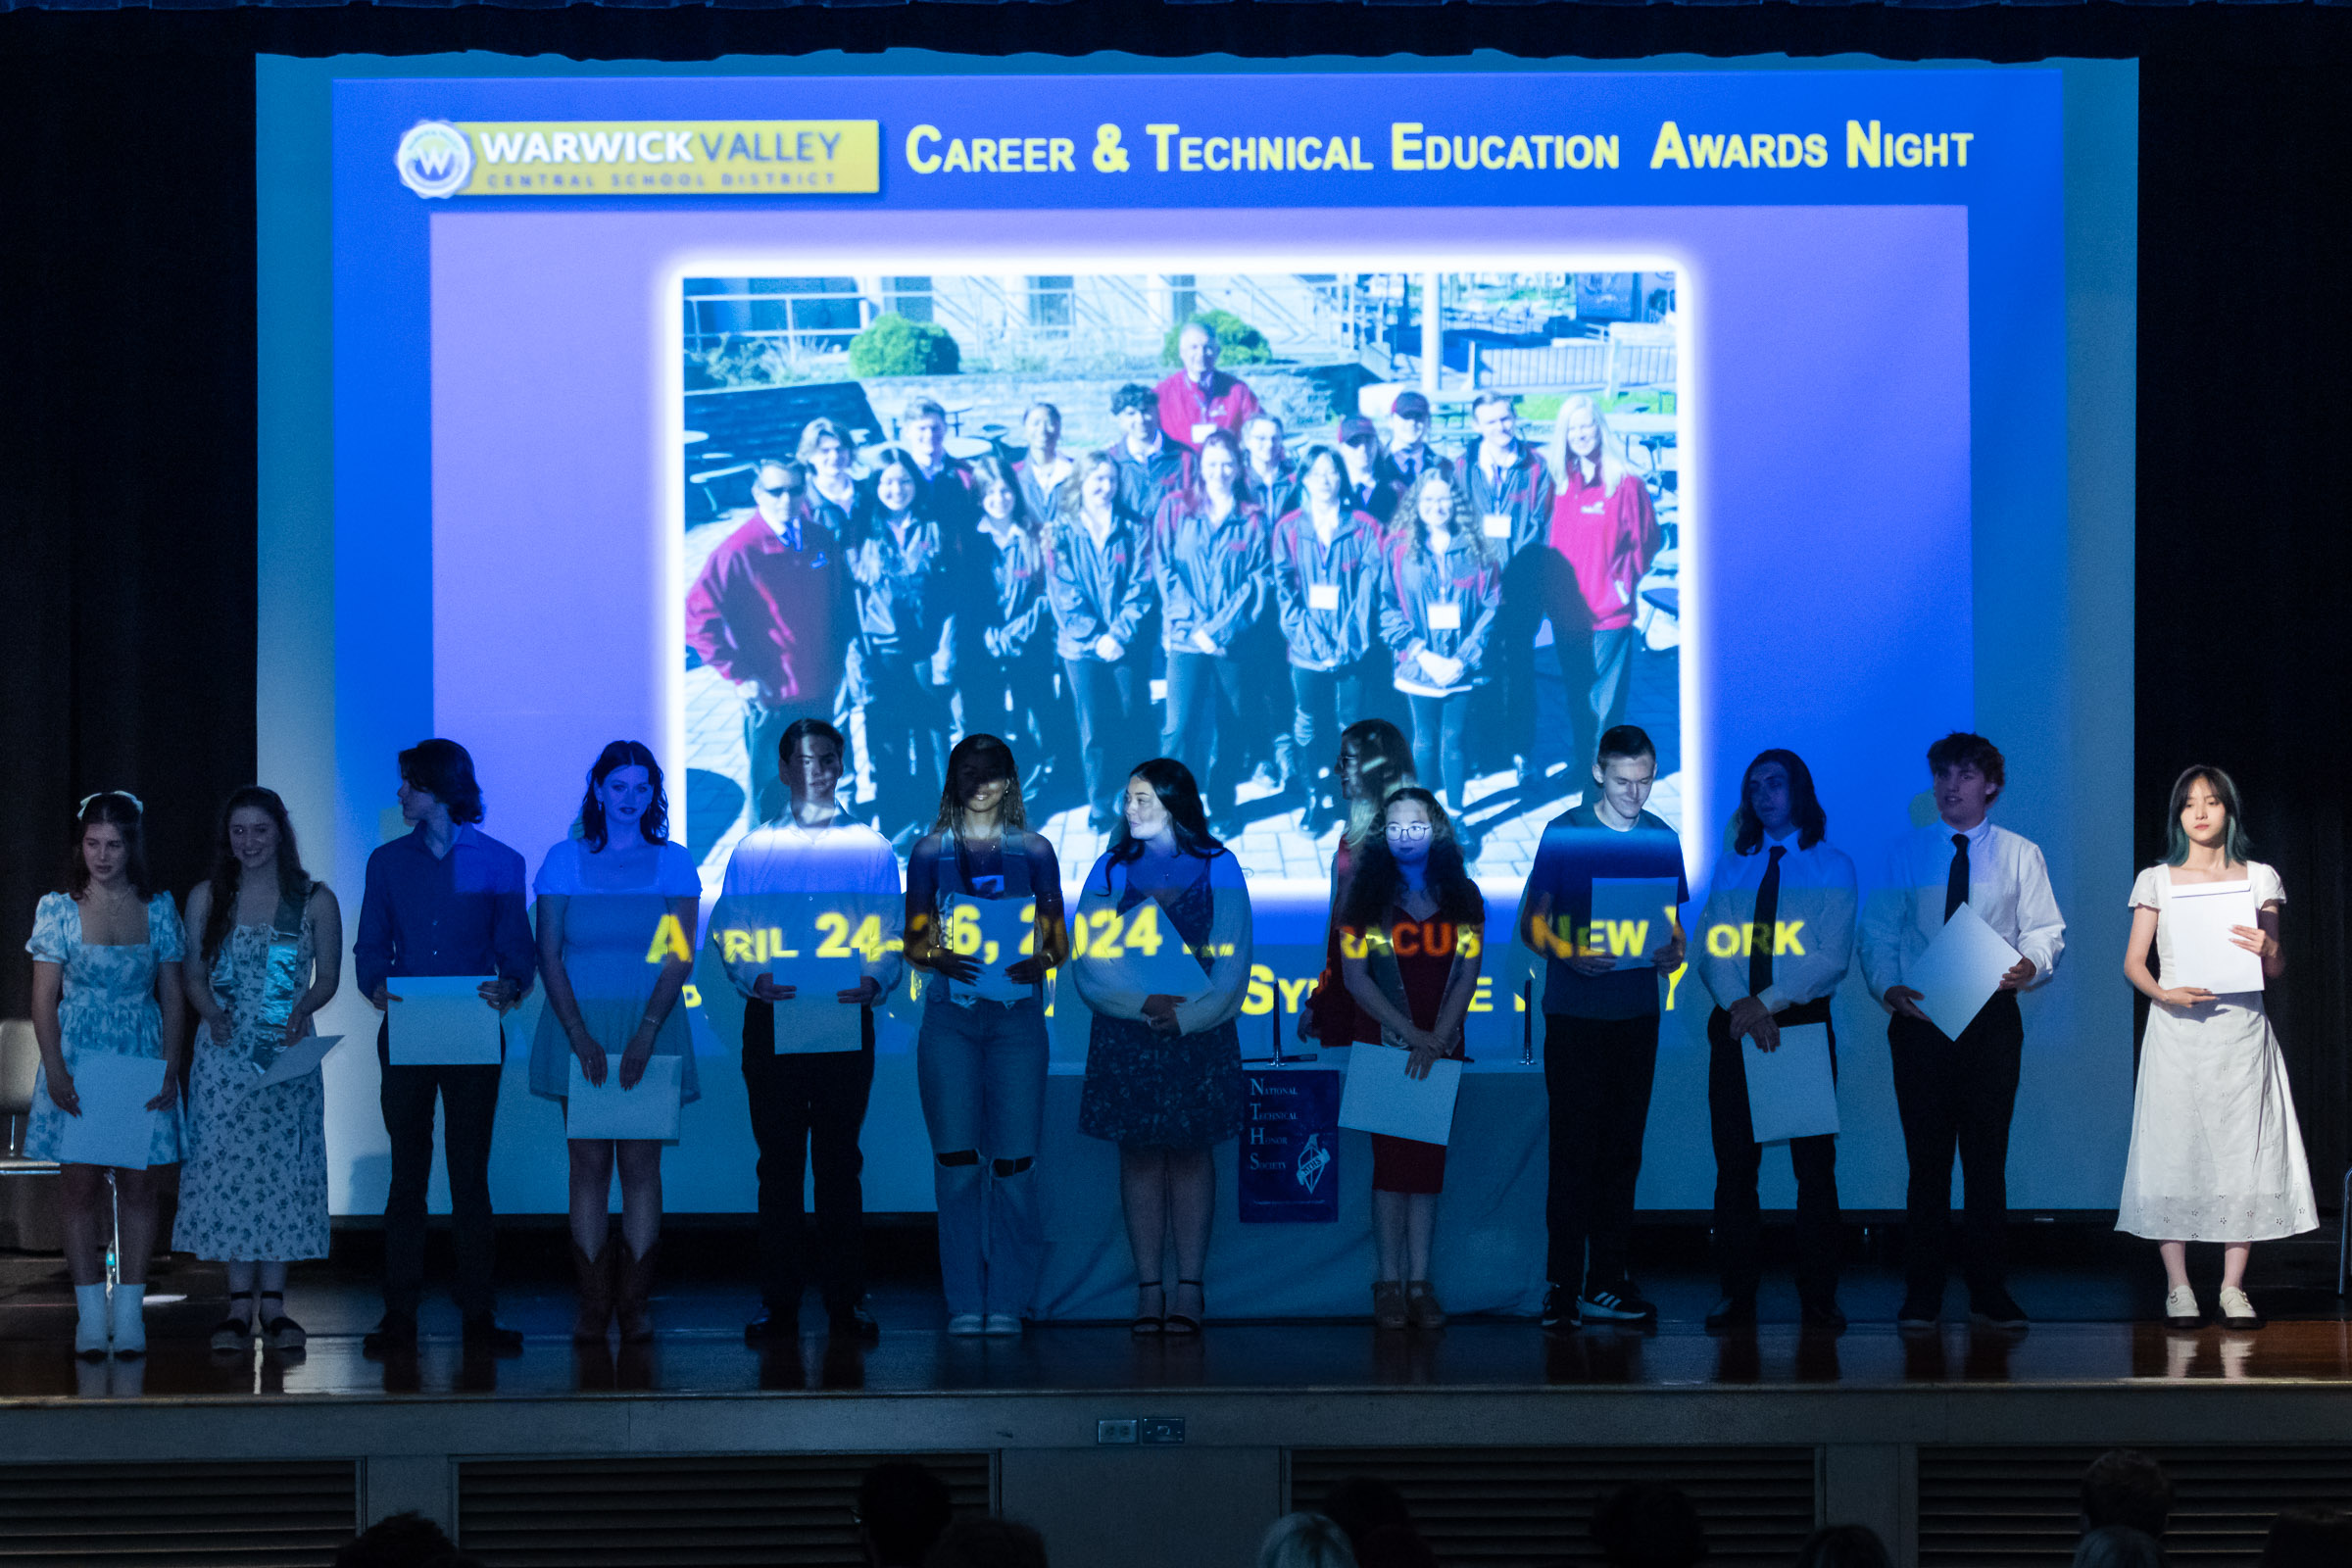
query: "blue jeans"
1439, 727
982, 1072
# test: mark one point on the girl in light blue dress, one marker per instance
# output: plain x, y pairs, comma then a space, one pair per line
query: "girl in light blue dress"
105, 983
614, 974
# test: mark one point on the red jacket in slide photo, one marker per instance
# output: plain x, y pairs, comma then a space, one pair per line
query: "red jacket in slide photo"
1608, 534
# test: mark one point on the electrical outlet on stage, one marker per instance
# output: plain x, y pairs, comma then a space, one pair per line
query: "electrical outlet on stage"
1115, 1431
1163, 1428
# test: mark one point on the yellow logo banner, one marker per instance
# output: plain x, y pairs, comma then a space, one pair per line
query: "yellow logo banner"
670, 158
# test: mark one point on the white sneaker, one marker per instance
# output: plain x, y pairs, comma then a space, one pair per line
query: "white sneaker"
2180, 1309
126, 1313
965, 1323
2237, 1312
90, 1325
1002, 1323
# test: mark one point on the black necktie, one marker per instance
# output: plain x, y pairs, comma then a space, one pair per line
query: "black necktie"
1956, 886
1761, 937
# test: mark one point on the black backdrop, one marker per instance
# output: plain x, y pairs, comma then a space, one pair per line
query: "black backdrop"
126, 375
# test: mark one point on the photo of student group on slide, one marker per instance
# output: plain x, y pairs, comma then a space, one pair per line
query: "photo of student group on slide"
1219, 517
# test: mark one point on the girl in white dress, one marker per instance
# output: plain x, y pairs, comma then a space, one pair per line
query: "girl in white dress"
269, 955
106, 983
2216, 1152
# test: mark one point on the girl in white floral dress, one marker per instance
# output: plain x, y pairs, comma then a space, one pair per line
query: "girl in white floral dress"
105, 982
269, 956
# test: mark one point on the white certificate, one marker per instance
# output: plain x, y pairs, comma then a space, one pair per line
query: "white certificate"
1322, 596
2199, 948
300, 1057
608, 1110
1001, 927
1960, 970
1790, 1092
441, 1020
115, 1127
1633, 918
1379, 1097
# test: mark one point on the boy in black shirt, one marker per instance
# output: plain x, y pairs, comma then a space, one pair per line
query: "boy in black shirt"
1600, 1020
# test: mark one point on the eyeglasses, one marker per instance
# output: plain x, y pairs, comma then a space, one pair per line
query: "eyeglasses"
1409, 831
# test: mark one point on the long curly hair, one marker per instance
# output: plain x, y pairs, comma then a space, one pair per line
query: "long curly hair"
1372, 892
228, 872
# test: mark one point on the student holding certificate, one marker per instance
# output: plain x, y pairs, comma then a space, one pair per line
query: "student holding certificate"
443, 900
269, 956
607, 900
1412, 936
106, 997
811, 880
980, 1052
1599, 911
2216, 1151
1957, 1093
1776, 937
1164, 967
1374, 760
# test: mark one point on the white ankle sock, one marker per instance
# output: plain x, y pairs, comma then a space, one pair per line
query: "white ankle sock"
89, 1328
129, 1317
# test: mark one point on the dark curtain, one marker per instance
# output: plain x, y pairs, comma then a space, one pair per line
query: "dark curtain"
126, 384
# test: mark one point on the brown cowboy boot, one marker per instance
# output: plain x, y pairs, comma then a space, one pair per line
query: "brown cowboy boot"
595, 1283
635, 1292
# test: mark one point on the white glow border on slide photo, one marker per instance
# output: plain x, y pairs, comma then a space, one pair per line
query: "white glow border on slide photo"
669, 315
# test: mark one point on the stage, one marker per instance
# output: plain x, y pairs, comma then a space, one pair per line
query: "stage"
1958, 1446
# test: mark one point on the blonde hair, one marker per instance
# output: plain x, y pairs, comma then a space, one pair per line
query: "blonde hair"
1305, 1541
1556, 450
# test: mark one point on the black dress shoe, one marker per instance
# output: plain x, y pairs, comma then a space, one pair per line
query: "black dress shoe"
855, 1323
1994, 1309
772, 1328
1732, 1312
1823, 1317
396, 1333
484, 1333
1918, 1310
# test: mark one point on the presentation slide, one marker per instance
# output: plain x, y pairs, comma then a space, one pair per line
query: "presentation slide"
1768, 406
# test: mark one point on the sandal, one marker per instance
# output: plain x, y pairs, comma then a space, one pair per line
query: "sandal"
1148, 1323
232, 1333
1184, 1322
281, 1331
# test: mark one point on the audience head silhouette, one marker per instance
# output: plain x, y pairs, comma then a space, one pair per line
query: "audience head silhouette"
399, 1540
1305, 1541
1648, 1524
2309, 1538
1844, 1546
2119, 1547
2125, 1487
902, 1509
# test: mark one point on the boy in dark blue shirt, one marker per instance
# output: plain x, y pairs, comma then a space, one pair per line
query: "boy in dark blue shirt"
1600, 1018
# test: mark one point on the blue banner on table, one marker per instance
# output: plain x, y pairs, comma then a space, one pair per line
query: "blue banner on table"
1289, 1156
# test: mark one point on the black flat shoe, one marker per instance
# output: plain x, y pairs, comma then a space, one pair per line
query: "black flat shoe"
485, 1333
396, 1334
1732, 1312
281, 1331
1823, 1317
772, 1328
1184, 1322
233, 1334
855, 1323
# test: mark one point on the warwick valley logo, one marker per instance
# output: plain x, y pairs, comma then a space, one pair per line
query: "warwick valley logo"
642, 157
434, 159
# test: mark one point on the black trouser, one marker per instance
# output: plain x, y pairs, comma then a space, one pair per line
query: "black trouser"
1014, 701
906, 720
806, 1112
1506, 716
469, 1105
1205, 711
1738, 1216
1598, 1073
1958, 1094
1104, 696
1325, 702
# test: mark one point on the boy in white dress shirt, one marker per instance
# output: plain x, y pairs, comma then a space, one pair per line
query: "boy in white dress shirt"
1959, 1094
1778, 936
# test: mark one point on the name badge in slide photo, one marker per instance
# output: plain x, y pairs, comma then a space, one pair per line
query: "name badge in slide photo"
1202, 431
1445, 616
1498, 526
1322, 596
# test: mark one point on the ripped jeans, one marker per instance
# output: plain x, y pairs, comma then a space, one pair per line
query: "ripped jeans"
982, 1072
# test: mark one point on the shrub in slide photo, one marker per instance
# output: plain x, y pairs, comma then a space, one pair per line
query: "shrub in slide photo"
1240, 342
896, 346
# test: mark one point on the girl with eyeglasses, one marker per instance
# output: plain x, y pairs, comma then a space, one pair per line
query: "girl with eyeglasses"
1412, 934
